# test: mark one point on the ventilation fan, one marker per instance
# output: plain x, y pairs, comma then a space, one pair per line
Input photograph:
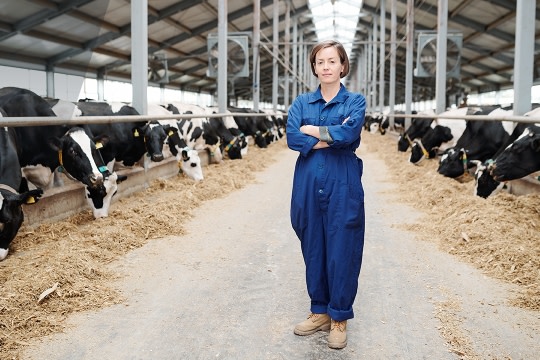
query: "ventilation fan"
426, 62
237, 56
157, 69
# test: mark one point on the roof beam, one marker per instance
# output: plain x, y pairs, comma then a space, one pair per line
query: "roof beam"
43, 16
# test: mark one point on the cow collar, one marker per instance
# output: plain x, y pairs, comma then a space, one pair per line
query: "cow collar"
424, 151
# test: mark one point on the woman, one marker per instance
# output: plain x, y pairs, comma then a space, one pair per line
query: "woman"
327, 202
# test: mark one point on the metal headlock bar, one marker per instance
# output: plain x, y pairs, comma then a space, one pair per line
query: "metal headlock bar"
514, 118
53, 120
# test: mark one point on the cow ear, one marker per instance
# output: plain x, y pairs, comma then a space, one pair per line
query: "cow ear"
55, 143
101, 141
171, 130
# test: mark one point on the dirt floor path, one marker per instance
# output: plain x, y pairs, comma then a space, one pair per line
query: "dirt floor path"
233, 288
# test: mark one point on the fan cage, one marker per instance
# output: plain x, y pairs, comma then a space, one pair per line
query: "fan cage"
242, 68
424, 39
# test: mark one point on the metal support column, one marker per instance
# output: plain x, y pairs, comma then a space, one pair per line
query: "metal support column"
382, 55
286, 53
222, 54
440, 74
256, 56
393, 49
139, 55
374, 72
275, 67
49, 75
524, 56
409, 61
295, 66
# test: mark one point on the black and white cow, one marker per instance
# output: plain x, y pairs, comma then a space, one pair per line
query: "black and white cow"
251, 126
14, 190
188, 159
129, 141
232, 127
417, 129
480, 141
59, 148
192, 131
520, 158
442, 134
485, 184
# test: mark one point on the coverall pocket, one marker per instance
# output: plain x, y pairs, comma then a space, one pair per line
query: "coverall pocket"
354, 207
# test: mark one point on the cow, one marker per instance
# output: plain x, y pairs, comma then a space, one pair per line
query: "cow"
60, 148
442, 135
188, 159
192, 130
480, 141
14, 190
485, 184
399, 122
232, 127
372, 122
129, 141
417, 129
520, 158
251, 126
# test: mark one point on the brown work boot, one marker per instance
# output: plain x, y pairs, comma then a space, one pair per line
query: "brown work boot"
338, 335
312, 324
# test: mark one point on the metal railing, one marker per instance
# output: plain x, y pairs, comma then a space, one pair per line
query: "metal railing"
514, 118
78, 120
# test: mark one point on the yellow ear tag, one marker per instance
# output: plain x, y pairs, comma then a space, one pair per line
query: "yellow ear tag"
31, 200
99, 145
171, 133
136, 133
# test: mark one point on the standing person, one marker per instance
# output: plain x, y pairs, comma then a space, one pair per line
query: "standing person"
327, 202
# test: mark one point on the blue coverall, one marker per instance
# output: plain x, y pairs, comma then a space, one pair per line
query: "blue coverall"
327, 202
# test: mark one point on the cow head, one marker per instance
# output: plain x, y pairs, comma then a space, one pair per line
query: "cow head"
153, 134
430, 142
453, 163
11, 214
233, 148
418, 128
99, 198
190, 164
79, 156
519, 159
485, 185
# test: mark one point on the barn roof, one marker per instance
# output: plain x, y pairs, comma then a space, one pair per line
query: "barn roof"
92, 37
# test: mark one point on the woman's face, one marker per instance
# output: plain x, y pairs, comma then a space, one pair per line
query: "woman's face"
328, 65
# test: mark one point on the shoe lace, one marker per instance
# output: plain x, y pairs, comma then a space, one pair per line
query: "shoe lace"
338, 325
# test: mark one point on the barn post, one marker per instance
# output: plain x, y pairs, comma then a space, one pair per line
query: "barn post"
256, 58
393, 49
295, 57
275, 49
409, 61
374, 72
139, 55
287, 51
440, 73
524, 56
49, 75
369, 74
101, 84
382, 55
222, 53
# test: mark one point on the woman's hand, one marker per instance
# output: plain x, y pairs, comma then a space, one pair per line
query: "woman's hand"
310, 130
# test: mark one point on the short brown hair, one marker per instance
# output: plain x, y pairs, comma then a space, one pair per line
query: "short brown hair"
343, 58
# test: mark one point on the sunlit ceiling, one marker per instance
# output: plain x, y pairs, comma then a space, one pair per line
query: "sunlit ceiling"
336, 19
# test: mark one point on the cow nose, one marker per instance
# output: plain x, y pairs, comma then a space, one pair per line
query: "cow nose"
193, 164
157, 157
